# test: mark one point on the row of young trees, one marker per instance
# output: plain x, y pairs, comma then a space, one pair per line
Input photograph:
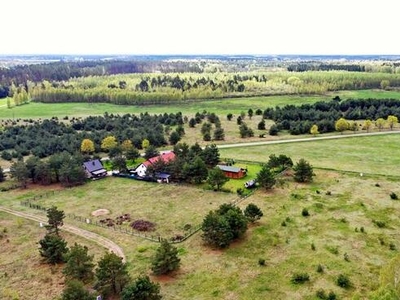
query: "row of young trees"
139, 89
110, 276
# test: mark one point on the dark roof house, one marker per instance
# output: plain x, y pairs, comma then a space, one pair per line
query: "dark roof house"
94, 169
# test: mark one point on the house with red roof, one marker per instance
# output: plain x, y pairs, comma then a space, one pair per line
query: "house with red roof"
166, 157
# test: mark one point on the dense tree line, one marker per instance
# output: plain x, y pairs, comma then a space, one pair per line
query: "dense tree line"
300, 119
64, 70
59, 167
46, 137
303, 67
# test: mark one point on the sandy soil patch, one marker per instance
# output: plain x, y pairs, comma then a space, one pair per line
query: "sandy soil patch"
100, 212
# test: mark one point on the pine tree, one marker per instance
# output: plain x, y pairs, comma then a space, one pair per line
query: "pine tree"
79, 264
53, 248
303, 171
166, 259
142, 289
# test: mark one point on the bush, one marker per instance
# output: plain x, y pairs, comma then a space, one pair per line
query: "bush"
343, 281
299, 278
331, 296
273, 130
253, 212
261, 261
392, 246
320, 268
305, 212
143, 225
394, 196
6, 155
320, 294
380, 224
346, 257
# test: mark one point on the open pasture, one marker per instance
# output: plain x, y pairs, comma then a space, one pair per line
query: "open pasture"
339, 206
363, 154
220, 107
169, 206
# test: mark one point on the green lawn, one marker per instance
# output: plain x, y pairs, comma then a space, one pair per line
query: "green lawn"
367, 154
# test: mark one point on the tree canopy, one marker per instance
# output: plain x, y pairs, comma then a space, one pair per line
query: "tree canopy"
79, 264
303, 171
165, 259
111, 274
142, 289
224, 225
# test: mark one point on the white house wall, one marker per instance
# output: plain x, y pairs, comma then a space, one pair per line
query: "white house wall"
141, 170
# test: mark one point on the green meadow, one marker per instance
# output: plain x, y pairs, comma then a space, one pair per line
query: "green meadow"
219, 107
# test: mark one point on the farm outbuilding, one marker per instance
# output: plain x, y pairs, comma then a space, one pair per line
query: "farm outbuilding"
233, 172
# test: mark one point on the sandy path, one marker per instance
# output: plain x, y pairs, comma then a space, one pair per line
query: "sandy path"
94, 237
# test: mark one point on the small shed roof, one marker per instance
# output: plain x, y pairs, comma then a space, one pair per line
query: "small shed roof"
230, 169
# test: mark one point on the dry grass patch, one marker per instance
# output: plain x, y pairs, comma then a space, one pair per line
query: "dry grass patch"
171, 207
23, 275
235, 273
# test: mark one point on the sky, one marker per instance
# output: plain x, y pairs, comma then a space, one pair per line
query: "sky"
258, 27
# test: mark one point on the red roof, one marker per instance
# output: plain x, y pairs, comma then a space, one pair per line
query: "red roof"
166, 157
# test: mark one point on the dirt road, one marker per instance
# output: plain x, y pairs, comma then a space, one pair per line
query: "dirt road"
307, 139
94, 237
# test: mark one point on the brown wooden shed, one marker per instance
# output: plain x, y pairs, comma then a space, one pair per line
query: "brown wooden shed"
232, 172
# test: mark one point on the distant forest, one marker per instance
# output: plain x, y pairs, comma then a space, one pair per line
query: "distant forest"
25, 75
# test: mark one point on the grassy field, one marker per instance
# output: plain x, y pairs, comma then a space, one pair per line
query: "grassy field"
367, 154
170, 207
344, 209
23, 275
339, 205
220, 107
